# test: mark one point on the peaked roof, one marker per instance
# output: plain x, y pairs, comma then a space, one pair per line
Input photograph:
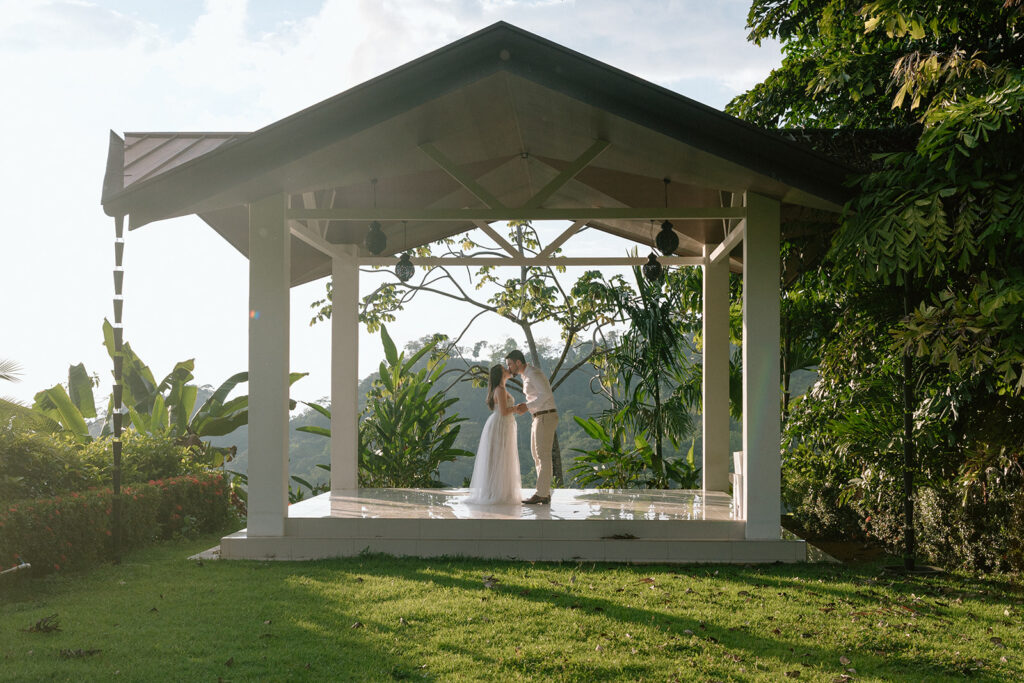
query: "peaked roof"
507, 108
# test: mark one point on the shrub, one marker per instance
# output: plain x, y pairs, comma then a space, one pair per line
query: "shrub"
954, 530
36, 465
74, 531
144, 457
812, 482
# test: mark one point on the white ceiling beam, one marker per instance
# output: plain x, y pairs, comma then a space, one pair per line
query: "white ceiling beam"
567, 174
729, 243
520, 261
474, 188
511, 214
560, 240
310, 237
502, 242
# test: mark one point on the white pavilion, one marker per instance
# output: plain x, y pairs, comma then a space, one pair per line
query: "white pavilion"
500, 125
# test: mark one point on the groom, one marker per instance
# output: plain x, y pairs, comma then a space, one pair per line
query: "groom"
540, 402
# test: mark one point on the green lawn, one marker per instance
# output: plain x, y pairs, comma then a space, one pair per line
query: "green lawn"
159, 616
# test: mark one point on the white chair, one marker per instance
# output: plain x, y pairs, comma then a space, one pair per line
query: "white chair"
736, 478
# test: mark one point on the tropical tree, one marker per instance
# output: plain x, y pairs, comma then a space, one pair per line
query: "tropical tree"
10, 409
164, 408
66, 409
649, 379
406, 429
929, 258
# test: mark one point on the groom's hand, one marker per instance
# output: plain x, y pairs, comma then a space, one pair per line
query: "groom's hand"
520, 408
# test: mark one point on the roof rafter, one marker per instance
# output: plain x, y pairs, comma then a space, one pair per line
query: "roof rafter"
520, 214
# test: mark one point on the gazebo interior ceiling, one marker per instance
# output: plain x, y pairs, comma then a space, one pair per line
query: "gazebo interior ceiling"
509, 133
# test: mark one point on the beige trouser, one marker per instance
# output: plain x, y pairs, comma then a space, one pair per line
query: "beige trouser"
542, 438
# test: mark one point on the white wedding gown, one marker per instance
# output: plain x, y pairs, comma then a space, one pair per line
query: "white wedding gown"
496, 479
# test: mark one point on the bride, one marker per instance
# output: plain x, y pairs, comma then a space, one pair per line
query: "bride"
496, 478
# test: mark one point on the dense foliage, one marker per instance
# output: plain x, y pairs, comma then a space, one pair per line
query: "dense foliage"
927, 267
35, 465
407, 428
72, 531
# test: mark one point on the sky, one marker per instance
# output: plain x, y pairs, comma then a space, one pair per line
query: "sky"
72, 70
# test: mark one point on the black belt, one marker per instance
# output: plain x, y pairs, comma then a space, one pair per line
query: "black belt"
544, 412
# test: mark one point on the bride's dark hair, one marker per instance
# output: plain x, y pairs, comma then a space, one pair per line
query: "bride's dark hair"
493, 382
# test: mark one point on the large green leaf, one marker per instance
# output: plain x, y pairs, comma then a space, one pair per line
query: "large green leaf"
221, 426
179, 375
390, 352
314, 429
319, 408
56, 404
80, 390
158, 421
181, 407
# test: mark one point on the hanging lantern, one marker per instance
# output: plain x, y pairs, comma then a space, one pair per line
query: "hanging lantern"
652, 269
667, 240
376, 240
404, 269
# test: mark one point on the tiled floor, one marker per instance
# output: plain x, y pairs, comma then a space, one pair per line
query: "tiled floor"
588, 524
566, 504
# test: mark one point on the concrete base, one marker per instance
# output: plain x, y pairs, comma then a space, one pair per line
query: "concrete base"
579, 525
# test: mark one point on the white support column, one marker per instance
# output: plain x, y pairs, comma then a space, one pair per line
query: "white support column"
761, 392
715, 460
269, 284
345, 369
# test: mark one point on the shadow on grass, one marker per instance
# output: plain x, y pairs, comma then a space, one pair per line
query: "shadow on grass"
893, 659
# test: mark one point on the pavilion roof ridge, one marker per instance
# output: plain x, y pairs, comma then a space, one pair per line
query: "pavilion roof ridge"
177, 188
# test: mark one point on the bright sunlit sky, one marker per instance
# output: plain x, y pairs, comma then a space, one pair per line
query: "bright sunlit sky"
70, 71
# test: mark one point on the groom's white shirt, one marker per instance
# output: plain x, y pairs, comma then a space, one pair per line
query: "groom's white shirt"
537, 390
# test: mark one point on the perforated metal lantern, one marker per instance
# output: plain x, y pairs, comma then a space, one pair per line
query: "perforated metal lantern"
404, 269
667, 240
652, 269
376, 240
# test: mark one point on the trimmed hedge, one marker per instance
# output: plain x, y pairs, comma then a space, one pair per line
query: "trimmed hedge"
73, 531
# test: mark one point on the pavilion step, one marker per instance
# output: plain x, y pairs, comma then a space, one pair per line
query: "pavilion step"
513, 529
238, 546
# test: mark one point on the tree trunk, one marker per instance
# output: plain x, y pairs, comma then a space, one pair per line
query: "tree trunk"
657, 462
909, 539
785, 372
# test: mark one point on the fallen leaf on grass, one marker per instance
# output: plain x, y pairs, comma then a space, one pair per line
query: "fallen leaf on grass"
490, 582
75, 654
266, 622
646, 579
793, 674
844, 660
45, 625
358, 624
231, 660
